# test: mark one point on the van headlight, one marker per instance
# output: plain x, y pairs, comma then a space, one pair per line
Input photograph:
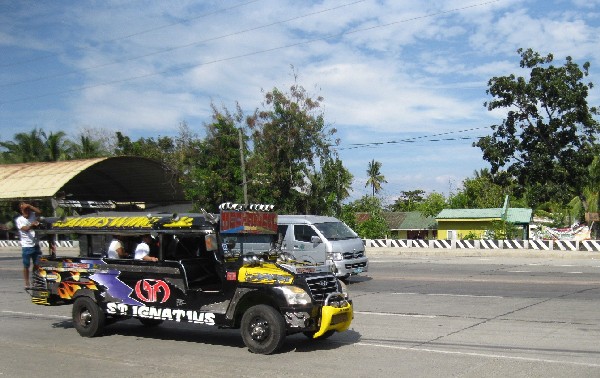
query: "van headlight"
336, 256
294, 295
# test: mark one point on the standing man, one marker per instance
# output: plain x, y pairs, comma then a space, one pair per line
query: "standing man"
30, 247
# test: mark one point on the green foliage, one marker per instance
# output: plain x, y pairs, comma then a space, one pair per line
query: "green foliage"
374, 227
470, 236
408, 201
215, 169
480, 192
546, 142
291, 148
432, 205
502, 230
375, 178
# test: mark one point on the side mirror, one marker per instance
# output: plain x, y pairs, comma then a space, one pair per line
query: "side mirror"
315, 240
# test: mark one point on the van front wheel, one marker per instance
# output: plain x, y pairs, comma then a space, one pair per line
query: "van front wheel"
263, 329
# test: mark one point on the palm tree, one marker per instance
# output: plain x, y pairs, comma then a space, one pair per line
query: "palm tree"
56, 147
375, 177
27, 147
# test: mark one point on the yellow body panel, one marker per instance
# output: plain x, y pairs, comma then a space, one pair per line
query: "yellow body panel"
329, 317
266, 274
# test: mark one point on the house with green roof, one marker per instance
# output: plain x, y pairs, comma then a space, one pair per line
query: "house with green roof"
457, 223
410, 225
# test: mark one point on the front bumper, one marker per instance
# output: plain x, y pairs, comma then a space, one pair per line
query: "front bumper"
335, 318
352, 267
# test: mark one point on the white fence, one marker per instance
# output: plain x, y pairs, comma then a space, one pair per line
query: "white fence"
547, 245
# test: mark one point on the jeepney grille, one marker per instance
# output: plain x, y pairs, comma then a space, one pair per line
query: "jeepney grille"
353, 255
321, 286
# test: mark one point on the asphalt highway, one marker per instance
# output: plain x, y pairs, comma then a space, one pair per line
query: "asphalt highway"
416, 315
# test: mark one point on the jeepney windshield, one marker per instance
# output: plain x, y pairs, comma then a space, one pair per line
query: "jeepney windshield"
335, 231
248, 243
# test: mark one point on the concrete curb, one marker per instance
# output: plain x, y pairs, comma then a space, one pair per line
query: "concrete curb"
473, 252
378, 252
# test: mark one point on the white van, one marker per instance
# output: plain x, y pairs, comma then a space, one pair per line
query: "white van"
320, 239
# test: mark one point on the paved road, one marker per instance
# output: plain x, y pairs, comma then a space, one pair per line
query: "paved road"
424, 316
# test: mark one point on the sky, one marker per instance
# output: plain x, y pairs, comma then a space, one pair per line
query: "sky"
403, 82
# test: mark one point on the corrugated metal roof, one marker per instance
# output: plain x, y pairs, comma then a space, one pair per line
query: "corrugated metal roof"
470, 213
514, 215
416, 221
519, 215
39, 180
121, 178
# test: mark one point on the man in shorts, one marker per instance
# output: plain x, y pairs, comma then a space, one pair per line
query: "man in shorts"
30, 247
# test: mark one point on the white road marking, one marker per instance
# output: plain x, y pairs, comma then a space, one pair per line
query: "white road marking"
391, 314
452, 295
35, 315
518, 271
473, 354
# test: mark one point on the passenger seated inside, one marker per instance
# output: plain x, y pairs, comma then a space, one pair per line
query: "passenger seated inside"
142, 251
116, 249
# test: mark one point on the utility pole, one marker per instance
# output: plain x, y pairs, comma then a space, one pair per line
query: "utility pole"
244, 182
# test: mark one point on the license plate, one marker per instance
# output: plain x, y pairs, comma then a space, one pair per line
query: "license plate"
358, 270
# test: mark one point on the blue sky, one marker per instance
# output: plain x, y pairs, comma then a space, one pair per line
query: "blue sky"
406, 78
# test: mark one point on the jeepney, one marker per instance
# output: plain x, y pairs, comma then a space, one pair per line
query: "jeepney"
203, 276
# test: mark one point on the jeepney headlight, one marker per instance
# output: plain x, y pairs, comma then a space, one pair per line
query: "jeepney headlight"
336, 256
295, 295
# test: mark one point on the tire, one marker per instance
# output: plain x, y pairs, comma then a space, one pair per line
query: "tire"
324, 336
88, 317
263, 329
150, 322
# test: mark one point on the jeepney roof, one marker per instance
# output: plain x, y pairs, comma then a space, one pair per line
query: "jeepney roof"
127, 223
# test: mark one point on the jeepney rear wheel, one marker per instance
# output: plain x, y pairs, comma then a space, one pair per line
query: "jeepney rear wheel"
88, 317
324, 336
263, 329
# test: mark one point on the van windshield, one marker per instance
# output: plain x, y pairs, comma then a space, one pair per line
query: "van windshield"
336, 231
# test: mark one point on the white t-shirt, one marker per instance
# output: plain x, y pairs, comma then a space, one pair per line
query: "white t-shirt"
112, 249
28, 238
141, 251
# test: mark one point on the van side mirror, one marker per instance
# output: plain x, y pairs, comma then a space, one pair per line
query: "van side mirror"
315, 240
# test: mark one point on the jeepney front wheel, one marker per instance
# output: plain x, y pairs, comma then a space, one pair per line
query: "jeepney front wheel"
88, 317
263, 329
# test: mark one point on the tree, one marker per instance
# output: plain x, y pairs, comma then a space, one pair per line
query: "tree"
480, 192
215, 170
26, 148
374, 226
546, 142
375, 178
432, 205
328, 188
57, 147
408, 200
291, 144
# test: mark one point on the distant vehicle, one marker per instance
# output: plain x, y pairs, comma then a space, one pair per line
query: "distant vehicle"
206, 273
320, 239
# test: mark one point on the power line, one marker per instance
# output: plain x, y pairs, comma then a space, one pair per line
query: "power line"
171, 49
131, 35
425, 138
176, 69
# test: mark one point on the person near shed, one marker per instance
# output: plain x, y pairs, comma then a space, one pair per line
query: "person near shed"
30, 247
142, 251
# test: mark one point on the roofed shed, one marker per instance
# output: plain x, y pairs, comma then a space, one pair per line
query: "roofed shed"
119, 179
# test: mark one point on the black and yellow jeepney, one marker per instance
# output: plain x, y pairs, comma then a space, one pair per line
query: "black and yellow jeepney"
209, 271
